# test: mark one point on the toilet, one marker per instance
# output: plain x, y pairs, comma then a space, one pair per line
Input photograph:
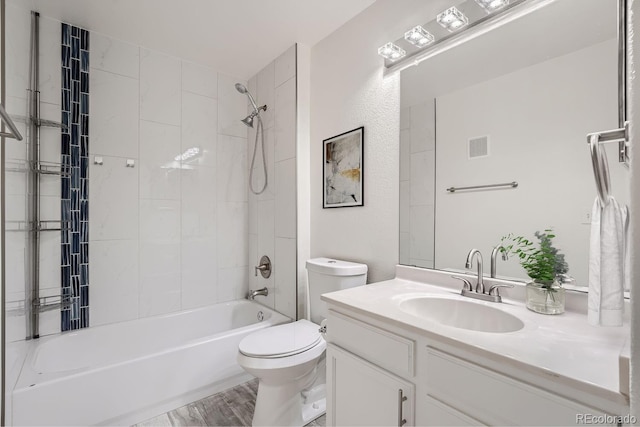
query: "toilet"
288, 359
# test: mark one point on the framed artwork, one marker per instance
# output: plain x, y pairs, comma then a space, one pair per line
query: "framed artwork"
342, 176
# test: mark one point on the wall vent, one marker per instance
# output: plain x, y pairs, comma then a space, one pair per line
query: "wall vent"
479, 147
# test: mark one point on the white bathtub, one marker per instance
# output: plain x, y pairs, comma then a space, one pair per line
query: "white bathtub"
130, 371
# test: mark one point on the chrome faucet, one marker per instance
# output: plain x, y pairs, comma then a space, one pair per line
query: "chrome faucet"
476, 253
494, 258
253, 294
467, 288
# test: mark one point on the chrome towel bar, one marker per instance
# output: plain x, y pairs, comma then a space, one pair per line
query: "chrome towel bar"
15, 134
599, 157
512, 184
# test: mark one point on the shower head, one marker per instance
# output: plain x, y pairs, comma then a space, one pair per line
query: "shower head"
248, 120
243, 89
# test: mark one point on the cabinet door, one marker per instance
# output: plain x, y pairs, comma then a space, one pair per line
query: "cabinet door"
437, 414
362, 394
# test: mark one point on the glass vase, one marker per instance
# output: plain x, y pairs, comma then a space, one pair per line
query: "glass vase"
545, 299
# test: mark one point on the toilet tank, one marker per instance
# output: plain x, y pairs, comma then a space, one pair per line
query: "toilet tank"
329, 275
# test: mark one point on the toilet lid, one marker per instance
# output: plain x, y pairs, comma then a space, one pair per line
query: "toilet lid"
282, 340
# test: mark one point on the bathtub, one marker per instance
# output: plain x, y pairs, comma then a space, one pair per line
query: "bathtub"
128, 372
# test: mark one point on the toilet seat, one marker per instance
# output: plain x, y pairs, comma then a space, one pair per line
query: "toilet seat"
281, 341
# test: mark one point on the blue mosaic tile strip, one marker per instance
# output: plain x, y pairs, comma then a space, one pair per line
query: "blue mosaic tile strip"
75, 188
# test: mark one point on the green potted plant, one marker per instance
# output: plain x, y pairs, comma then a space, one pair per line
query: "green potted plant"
544, 264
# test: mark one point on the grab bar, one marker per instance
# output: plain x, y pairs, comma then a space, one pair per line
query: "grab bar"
512, 184
599, 158
15, 134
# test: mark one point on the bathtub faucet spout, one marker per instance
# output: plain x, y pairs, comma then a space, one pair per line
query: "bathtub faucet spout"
252, 294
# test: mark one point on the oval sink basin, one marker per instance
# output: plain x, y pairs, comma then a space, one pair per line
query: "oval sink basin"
462, 314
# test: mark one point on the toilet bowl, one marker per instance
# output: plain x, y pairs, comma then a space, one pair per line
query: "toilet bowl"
286, 360
289, 360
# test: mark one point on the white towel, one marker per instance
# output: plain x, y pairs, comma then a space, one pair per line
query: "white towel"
608, 265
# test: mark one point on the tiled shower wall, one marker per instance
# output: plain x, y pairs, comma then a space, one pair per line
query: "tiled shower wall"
170, 230
417, 184
272, 214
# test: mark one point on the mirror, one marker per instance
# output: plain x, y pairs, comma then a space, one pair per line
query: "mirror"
512, 105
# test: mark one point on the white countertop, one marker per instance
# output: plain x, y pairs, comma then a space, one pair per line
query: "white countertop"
564, 346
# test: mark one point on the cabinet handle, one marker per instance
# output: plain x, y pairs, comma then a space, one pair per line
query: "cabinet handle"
401, 398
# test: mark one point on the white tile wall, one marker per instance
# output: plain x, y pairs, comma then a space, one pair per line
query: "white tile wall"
232, 107
165, 235
422, 127
113, 200
199, 128
272, 214
266, 227
404, 248
199, 203
160, 87
285, 66
15, 261
18, 24
50, 259
114, 112
199, 80
253, 255
50, 82
114, 281
172, 219
114, 56
199, 272
258, 168
228, 278
160, 268
422, 178
50, 145
232, 168
160, 221
159, 294
232, 234
159, 171
285, 276
417, 184
285, 123
422, 232
285, 206
265, 92
16, 150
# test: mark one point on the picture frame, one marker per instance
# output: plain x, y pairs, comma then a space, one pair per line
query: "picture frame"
343, 170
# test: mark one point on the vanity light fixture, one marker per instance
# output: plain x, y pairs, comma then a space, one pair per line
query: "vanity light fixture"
419, 37
391, 52
452, 19
492, 5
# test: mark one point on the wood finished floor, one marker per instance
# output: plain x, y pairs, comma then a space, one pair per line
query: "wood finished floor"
232, 407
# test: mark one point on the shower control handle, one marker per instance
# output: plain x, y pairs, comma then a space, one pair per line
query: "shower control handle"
264, 267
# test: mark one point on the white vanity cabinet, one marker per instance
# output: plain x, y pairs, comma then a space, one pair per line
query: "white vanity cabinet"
369, 372
379, 373
477, 395
364, 394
